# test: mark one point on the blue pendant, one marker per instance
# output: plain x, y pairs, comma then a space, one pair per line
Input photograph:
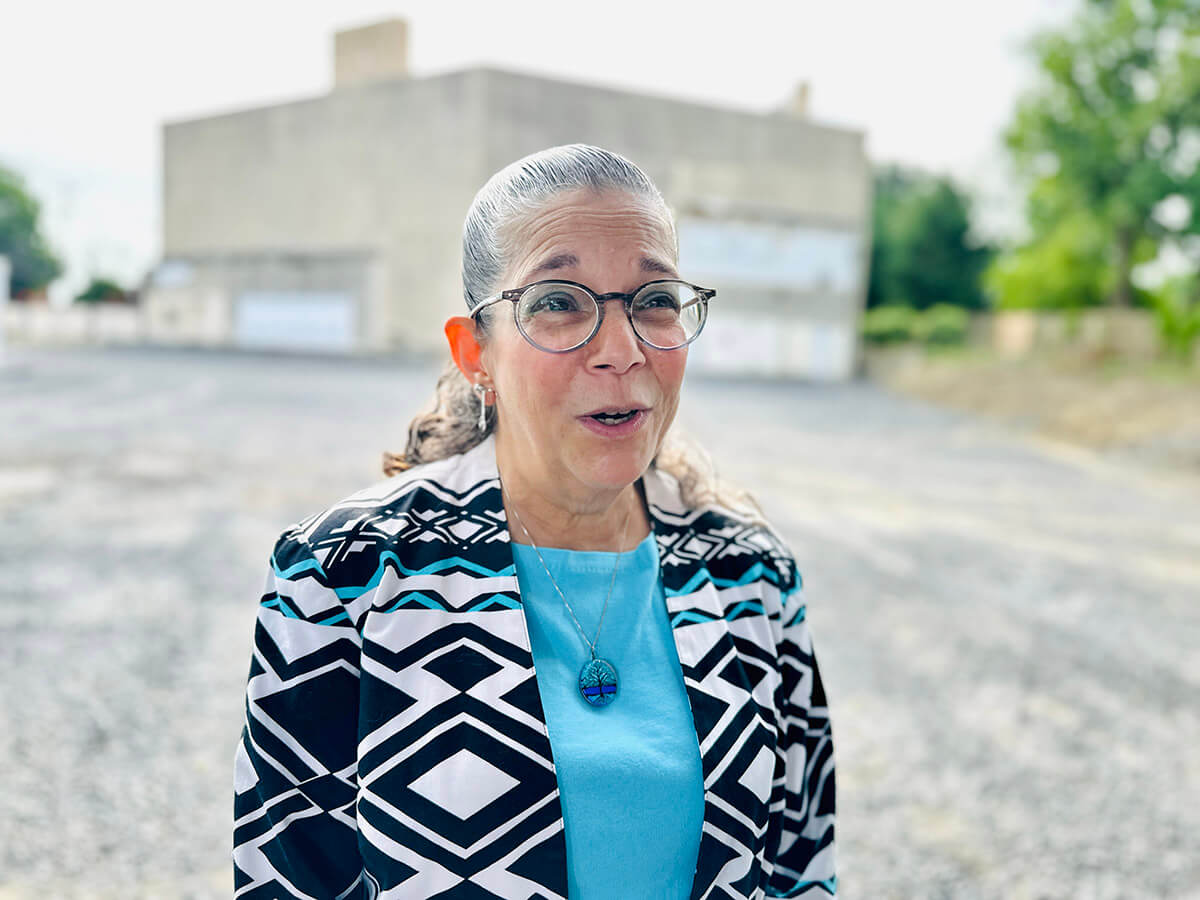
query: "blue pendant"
598, 682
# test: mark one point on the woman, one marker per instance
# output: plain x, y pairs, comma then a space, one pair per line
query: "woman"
547, 658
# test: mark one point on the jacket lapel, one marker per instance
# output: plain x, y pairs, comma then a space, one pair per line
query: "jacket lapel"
701, 554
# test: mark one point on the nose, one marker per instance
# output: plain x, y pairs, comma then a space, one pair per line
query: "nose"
615, 347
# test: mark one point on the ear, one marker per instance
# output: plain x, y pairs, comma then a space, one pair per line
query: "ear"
464, 347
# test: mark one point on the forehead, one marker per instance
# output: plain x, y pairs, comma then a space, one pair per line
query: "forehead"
594, 228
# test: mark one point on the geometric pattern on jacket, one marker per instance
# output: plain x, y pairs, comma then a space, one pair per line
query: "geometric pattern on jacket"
395, 744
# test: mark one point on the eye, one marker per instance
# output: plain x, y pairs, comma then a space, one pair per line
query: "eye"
658, 300
556, 301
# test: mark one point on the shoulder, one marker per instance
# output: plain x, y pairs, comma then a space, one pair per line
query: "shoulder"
735, 547
344, 545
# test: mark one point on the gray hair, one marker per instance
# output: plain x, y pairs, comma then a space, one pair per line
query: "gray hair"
523, 188
512, 196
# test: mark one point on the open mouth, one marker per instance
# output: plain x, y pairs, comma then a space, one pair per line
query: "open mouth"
615, 423
615, 417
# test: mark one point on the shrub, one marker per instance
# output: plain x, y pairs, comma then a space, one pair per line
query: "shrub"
101, 290
1064, 269
942, 324
1177, 312
888, 324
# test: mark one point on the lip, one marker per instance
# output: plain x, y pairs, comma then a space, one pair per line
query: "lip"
628, 427
619, 407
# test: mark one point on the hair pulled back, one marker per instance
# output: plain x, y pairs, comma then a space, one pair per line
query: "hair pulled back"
449, 424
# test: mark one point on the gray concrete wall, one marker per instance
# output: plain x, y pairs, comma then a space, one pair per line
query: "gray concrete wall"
391, 167
733, 167
193, 299
387, 167
704, 158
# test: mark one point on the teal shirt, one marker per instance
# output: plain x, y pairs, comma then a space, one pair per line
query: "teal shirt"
629, 775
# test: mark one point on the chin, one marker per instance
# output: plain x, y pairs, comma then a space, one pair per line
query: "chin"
617, 470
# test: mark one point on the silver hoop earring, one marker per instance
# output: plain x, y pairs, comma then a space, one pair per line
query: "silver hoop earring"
480, 390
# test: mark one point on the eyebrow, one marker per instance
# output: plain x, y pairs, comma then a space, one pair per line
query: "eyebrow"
558, 261
567, 260
650, 264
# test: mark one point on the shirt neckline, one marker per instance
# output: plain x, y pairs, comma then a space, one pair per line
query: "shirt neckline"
585, 553
577, 559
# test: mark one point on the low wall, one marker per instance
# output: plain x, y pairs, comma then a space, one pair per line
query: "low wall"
1130, 333
101, 323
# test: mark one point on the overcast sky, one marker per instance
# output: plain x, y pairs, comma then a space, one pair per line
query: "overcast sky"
84, 86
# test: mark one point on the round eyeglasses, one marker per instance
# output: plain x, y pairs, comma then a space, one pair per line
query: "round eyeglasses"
560, 316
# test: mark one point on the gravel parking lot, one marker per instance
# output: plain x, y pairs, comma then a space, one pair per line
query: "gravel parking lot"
1007, 628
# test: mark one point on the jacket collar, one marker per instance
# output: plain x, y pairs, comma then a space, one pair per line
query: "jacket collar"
681, 549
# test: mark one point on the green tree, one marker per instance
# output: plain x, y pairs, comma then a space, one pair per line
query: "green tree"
921, 253
33, 265
1065, 267
1111, 130
101, 290
1178, 316
891, 185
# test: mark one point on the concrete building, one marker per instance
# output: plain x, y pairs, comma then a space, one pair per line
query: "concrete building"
335, 222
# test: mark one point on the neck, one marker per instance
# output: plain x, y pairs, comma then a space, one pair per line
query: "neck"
553, 520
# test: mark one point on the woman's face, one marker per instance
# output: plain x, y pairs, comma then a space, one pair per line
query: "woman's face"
610, 242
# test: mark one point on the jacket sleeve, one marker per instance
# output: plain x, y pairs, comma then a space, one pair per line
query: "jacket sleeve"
295, 833
802, 836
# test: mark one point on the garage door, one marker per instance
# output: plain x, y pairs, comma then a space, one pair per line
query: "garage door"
295, 320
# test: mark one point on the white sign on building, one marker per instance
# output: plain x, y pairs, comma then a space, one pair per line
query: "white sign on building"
786, 296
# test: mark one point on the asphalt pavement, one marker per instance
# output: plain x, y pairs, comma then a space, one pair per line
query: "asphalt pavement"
1008, 630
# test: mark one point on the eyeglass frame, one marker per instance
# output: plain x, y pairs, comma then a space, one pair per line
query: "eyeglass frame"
601, 301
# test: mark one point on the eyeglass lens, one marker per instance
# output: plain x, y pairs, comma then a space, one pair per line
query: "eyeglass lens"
561, 316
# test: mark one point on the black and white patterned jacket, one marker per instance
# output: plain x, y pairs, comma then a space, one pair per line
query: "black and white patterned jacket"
395, 743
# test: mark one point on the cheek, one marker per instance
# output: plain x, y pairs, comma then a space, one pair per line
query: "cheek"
546, 386
522, 374
541, 386
670, 367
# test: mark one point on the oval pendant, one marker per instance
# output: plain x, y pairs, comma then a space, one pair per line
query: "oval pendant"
598, 682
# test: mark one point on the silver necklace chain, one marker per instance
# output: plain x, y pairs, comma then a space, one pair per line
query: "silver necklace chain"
624, 531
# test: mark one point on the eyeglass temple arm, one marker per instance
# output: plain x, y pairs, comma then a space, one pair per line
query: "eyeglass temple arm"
495, 298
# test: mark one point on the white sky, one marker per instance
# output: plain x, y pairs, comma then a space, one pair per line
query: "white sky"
84, 86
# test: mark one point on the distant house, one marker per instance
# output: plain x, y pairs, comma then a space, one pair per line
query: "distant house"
334, 223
